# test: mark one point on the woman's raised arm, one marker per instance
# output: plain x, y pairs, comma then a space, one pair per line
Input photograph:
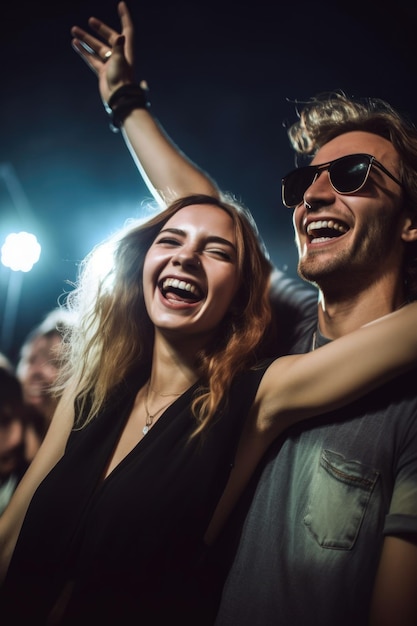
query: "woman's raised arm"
166, 170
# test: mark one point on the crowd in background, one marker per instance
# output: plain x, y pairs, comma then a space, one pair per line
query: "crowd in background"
28, 399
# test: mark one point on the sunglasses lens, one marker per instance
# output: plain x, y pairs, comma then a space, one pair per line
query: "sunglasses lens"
349, 173
295, 184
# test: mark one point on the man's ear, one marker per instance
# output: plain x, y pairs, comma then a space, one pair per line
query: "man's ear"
409, 230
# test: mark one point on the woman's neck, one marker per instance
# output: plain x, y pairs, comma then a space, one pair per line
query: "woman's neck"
174, 369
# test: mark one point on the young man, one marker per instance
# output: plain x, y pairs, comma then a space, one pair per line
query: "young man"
328, 535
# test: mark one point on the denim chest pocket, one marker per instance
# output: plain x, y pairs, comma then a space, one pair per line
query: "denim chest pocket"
340, 493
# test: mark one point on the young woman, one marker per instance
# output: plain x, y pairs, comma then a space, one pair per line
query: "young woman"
134, 479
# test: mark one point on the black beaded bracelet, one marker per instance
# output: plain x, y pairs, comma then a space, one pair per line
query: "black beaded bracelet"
123, 101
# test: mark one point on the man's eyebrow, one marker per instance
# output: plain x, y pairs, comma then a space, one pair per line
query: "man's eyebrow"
210, 238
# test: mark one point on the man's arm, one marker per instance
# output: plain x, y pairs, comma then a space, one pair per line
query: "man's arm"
394, 600
166, 170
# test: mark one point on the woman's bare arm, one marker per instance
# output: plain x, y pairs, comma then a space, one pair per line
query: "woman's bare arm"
166, 170
49, 453
299, 386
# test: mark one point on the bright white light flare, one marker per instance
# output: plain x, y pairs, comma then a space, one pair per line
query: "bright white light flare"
20, 251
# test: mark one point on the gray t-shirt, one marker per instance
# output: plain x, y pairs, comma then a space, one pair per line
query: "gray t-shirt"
329, 490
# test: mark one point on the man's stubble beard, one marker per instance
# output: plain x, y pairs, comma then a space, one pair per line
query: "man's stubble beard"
343, 273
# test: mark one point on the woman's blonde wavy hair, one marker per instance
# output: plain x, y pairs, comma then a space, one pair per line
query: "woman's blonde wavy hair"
331, 114
114, 334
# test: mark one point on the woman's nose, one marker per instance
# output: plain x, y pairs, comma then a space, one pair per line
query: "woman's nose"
187, 257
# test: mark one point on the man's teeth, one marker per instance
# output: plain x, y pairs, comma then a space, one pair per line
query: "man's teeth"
179, 284
328, 224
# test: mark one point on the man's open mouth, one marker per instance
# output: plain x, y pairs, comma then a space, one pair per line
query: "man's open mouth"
323, 230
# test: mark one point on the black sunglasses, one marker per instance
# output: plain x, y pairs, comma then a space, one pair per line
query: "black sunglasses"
346, 175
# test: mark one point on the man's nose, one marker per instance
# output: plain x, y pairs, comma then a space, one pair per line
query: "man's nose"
320, 191
38, 365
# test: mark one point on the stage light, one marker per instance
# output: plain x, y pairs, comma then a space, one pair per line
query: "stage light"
20, 251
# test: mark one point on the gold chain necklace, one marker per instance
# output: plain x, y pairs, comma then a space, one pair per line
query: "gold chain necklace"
151, 416
165, 395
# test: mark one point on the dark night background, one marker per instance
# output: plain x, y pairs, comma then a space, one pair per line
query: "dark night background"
222, 78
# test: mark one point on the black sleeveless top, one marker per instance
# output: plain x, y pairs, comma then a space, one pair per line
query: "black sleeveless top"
129, 547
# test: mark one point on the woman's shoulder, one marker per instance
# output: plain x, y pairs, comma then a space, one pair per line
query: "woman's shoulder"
246, 383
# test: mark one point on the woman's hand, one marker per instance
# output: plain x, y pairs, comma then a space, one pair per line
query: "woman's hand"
111, 56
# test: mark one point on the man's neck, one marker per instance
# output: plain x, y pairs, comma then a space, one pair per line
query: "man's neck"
339, 317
